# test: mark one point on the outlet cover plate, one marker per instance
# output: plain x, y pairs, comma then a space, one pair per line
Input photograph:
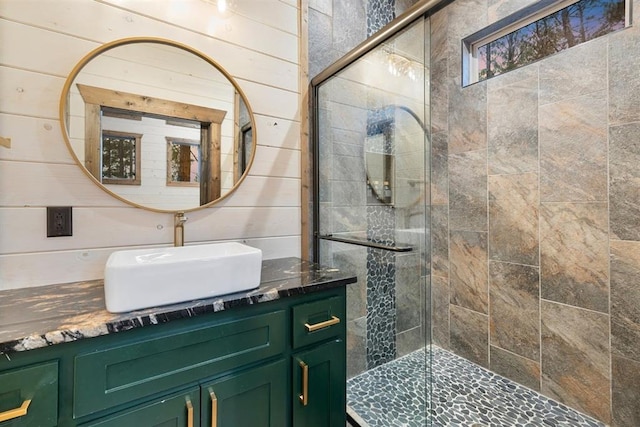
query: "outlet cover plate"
59, 221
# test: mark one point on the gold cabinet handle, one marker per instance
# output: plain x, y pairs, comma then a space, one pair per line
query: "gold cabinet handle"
15, 413
214, 409
304, 397
189, 413
333, 321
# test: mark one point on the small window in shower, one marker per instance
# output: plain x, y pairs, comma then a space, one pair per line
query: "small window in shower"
538, 31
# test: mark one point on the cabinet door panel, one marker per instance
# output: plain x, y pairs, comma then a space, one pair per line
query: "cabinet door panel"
324, 386
172, 411
37, 384
255, 398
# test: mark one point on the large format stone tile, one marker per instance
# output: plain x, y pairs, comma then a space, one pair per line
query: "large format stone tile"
573, 149
439, 78
574, 72
439, 169
440, 240
470, 335
499, 9
352, 258
513, 218
624, 181
440, 311
624, 79
575, 358
403, 5
348, 193
410, 340
349, 24
439, 108
467, 117
320, 52
625, 392
356, 346
515, 308
574, 254
409, 292
469, 275
347, 92
465, 18
468, 191
625, 299
513, 122
438, 34
347, 219
349, 169
348, 117
323, 6
516, 368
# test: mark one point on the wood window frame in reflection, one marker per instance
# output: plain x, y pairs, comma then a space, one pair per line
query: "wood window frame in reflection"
184, 142
137, 161
211, 130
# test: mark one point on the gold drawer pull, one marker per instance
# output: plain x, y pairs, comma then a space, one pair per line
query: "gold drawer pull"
304, 397
214, 409
189, 413
333, 321
15, 413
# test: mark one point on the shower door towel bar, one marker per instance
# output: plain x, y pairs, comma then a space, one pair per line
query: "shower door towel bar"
367, 243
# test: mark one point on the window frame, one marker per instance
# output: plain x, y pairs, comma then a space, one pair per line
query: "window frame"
183, 141
507, 25
137, 164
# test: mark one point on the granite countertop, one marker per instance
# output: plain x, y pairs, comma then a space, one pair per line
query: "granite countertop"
31, 318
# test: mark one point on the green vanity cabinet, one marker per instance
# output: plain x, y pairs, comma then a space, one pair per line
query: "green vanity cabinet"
179, 409
29, 396
234, 368
117, 374
256, 397
319, 382
319, 371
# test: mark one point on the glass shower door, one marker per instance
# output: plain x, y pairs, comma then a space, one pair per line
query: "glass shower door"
372, 162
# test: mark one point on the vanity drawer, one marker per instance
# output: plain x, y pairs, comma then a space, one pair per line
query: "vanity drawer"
318, 321
29, 396
116, 375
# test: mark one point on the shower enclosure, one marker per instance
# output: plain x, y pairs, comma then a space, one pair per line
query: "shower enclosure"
371, 216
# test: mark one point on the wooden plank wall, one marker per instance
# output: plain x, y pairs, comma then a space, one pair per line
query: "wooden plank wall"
41, 41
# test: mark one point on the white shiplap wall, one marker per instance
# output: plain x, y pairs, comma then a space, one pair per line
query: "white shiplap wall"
42, 40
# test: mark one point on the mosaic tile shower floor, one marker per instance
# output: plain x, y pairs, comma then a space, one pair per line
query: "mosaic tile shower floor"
464, 394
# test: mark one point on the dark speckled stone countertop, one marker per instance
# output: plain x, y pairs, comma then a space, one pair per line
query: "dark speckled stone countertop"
31, 318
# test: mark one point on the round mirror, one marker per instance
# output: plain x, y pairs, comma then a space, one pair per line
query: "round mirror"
157, 124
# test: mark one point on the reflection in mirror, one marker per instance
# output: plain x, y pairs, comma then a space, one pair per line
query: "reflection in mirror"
158, 125
380, 178
391, 161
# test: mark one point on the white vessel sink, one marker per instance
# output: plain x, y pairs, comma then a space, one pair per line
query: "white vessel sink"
142, 278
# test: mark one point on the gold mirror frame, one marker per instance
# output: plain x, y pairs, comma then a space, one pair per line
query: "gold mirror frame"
63, 112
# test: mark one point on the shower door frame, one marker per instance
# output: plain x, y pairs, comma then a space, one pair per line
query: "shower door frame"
418, 11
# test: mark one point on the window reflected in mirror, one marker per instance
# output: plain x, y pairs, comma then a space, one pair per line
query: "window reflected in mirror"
183, 162
120, 158
163, 92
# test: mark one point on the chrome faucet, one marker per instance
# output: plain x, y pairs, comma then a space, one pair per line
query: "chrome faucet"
178, 228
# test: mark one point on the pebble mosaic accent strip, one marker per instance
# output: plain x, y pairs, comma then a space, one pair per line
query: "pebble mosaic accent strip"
464, 395
381, 307
381, 292
379, 14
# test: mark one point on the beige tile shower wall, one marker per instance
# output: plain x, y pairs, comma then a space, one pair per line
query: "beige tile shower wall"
536, 215
41, 41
